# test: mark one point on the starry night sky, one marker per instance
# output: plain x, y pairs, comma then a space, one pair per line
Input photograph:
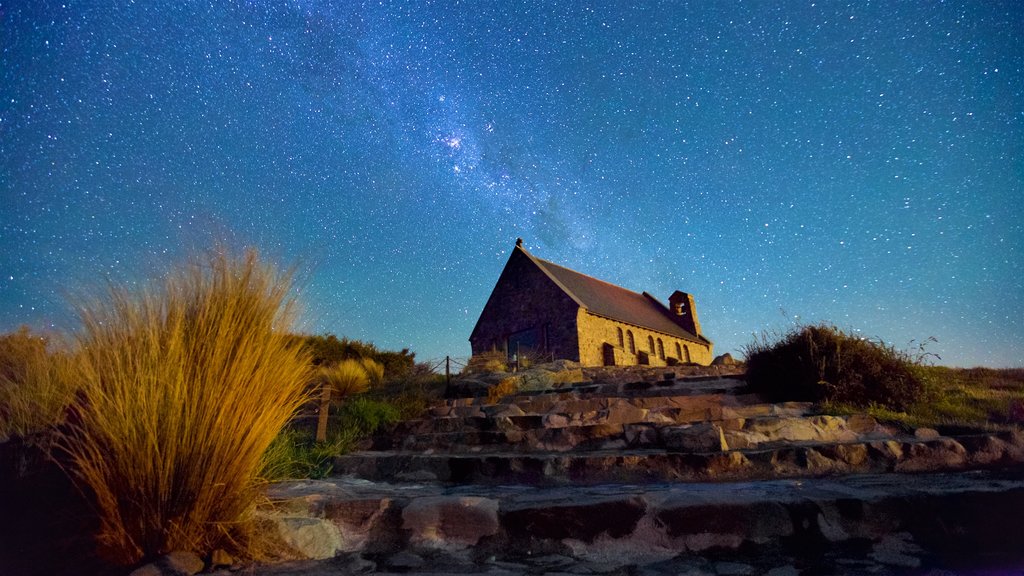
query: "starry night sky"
851, 162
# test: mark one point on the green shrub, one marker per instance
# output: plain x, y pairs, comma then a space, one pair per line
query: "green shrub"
365, 416
294, 454
184, 387
823, 363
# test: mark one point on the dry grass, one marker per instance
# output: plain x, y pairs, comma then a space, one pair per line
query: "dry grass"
185, 385
35, 384
487, 363
350, 377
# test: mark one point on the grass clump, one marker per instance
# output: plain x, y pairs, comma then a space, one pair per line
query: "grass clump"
350, 377
35, 384
823, 363
184, 387
295, 453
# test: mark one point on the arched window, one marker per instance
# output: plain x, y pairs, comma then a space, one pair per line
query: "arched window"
661, 349
650, 344
621, 343
632, 345
686, 352
679, 351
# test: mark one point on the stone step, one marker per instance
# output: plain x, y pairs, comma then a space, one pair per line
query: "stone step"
876, 523
696, 386
494, 465
645, 429
695, 408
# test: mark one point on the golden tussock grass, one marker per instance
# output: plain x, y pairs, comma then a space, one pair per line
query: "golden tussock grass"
184, 386
35, 384
350, 377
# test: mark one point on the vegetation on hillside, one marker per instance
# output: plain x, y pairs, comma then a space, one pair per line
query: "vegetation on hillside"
328, 349
848, 373
821, 362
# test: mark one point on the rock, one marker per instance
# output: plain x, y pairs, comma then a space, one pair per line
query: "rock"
704, 437
734, 569
622, 413
783, 571
640, 435
555, 420
220, 558
450, 522
940, 454
724, 360
356, 519
504, 411
173, 564
897, 550
862, 423
307, 538
741, 439
405, 560
926, 434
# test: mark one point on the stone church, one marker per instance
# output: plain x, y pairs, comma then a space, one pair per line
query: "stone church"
538, 307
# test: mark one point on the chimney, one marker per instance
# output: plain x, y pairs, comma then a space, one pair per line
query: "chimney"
684, 311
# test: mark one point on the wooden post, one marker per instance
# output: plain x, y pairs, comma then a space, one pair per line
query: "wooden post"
448, 370
321, 422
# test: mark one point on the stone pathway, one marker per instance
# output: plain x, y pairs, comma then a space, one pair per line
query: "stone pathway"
669, 474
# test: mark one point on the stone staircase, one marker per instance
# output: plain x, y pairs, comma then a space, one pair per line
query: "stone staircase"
669, 431
672, 474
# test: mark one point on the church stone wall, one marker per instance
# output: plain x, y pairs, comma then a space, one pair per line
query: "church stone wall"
596, 331
526, 302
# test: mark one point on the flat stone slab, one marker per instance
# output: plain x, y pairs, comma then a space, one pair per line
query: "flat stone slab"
893, 521
619, 463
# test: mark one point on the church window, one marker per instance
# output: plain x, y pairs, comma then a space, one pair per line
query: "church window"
632, 344
650, 344
661, 349
679, 351
621, 343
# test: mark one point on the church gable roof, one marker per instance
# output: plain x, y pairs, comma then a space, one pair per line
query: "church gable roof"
613, 302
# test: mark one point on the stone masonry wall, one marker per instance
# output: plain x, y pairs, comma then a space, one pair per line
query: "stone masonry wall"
526, 299
595, 331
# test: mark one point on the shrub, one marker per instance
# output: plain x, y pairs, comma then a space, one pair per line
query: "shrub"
823, 363
35, 387
329, 349
366, 416
184, 387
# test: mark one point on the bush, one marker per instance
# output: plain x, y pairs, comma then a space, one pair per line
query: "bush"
184, 387
366, 416
35, 386
823, 363
329, 349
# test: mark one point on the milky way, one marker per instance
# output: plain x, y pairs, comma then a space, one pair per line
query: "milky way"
785, 162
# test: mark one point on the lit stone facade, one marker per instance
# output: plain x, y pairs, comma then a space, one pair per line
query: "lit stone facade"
542, 308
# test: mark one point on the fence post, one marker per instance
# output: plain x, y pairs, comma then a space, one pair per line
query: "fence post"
321, 422
448, 370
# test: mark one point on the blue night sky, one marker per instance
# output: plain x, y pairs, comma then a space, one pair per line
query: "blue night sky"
852, 162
